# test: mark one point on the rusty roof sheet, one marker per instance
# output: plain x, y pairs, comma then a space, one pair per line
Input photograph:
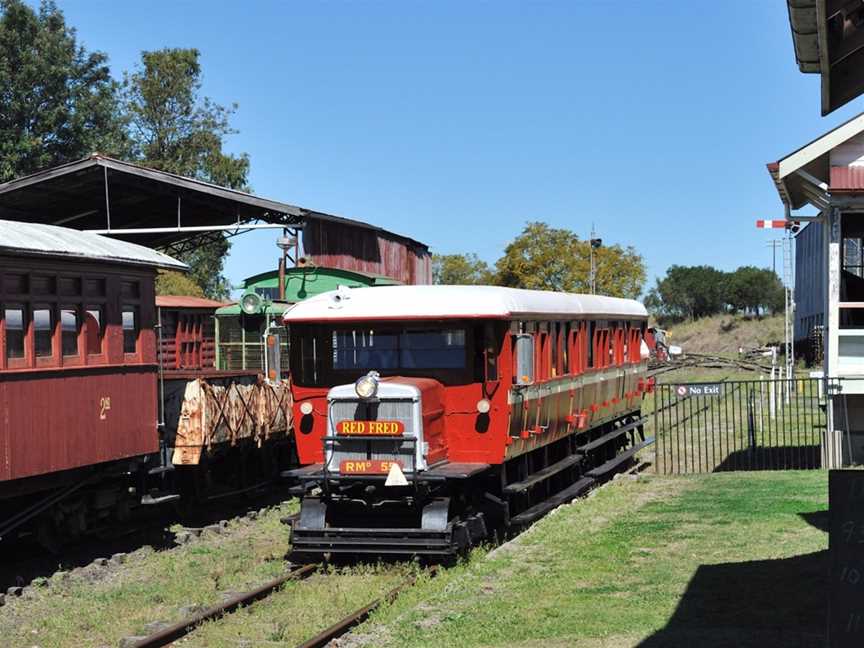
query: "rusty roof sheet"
185, 301
36, 239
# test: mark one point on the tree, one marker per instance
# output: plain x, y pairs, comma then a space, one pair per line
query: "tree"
175, 283
460, 269
174, 129
688, 292
58, 102
546, 258
755, 290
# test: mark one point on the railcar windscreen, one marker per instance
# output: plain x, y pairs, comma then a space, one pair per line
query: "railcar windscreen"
368, 348
334, 354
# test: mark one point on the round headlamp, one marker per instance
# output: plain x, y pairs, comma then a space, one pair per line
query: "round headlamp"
483, 406
367, 386
306, 408
250, 303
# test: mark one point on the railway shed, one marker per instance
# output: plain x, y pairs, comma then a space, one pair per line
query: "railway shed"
827, 175
176, 214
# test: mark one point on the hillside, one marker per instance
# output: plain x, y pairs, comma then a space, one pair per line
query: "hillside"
723, 334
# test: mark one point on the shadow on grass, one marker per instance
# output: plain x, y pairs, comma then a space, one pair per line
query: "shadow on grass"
794, 457
766, 603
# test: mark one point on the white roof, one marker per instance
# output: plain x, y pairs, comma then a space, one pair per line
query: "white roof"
451, 302
52, 241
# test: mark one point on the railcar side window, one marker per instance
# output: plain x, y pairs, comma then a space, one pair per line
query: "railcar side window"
43, 332
70, 326
94, 330
15, 330
130, 329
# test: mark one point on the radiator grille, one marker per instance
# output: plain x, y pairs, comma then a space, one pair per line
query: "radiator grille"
358, 448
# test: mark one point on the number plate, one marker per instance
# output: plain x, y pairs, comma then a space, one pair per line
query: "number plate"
370, 428
367, 467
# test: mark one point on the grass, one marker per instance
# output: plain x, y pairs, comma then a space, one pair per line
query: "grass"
723, 559
97, 606
302, 609
724, 334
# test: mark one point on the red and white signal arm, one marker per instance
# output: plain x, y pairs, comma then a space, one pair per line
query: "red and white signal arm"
778, 224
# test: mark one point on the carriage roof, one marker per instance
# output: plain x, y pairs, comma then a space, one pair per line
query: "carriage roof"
37, 239
458, 302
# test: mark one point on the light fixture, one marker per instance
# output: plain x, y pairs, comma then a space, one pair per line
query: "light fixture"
306, 408
483, 406
367, 386
251, 303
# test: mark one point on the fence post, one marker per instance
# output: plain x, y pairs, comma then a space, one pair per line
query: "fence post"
751, 423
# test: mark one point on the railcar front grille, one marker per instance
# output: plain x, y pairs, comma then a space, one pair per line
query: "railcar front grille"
348, 448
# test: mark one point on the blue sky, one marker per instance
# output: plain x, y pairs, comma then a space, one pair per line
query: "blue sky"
456, 122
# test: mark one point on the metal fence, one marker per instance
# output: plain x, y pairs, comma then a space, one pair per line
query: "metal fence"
741, 425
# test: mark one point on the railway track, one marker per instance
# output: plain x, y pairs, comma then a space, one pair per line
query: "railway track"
176, 631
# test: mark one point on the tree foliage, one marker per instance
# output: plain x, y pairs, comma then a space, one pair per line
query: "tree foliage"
58, 102
176, 283
174, 129
691, 292
546, 258
460, 269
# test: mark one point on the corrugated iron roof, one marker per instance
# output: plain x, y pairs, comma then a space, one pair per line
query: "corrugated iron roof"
36, 239
82, 192
186, 301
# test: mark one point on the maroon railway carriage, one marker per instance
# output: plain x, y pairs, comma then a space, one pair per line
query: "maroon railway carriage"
78, 371
429, 417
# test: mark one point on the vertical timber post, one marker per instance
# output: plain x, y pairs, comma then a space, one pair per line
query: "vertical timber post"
833, 242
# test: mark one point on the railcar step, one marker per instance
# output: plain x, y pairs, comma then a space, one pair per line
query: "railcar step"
543, 474
606, 438
539, 510
612, 464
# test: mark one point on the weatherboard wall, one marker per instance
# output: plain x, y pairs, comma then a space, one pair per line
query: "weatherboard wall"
810, 269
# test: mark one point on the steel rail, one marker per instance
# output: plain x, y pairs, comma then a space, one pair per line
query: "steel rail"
176, 631
359, 616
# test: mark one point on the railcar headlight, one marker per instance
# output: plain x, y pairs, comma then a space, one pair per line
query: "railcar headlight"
306, 408
483, 406
367, 386
251, 303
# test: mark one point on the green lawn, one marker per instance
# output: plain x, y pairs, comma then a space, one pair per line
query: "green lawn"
735, 559
98, 606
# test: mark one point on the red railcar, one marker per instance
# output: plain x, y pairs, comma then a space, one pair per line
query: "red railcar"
428, 416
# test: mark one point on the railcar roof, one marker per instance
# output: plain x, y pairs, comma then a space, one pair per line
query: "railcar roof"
457, 302
36, 239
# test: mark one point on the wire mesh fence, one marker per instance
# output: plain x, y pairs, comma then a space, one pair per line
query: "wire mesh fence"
768, 424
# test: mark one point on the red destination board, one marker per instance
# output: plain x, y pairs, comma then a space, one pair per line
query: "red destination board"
370, 428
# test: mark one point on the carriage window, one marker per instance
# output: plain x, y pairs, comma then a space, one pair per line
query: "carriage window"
130, 329
43, 332
15, 328
93, 329
70, 327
